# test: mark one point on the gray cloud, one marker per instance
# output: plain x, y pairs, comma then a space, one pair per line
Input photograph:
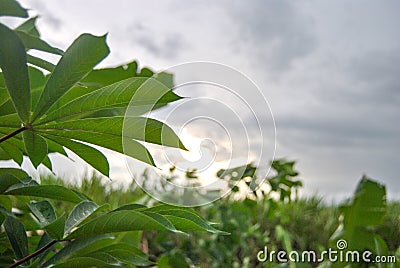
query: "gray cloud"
329, 70
272, 33
167, 46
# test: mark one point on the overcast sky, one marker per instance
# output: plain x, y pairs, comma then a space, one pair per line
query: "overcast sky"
329, 69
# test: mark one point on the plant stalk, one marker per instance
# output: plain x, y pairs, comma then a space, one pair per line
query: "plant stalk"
12, 134
32, 255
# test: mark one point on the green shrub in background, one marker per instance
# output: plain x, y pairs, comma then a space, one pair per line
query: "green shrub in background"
276, 217
300, 224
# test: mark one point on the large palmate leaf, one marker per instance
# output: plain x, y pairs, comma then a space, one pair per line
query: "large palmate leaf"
74, 91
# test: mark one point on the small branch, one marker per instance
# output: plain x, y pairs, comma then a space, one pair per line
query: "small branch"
12, 134
34, 254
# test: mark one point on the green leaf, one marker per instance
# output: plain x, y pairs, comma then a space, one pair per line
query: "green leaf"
171, 261
105, 257
137, 128
12, 8
6, 180
78, 60
4, 155
125, 253
34, 42
117, 95
76, 245
55, 147
15, 71
365, 210
43, 211
55, 192
43, 242
17, 236
84, 262
36, 79
131, 148
6, 204
14, 152
185, 220
368, 205
108, 76
78, 214
92, 156
151, 130
56, 228
16, 172
47, 163
29, 27
10, 120
131, 207
40, 63
122, 221
4, 97
36, 147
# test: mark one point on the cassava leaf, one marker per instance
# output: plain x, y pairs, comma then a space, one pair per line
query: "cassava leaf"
91, 155
122, 221
12, 8
15, 71
78, 60
29, 27
55, 192
36, 147
41, 63
117, 95
80, 212
43, 211
137, 128
76, 245
131, 148
16, 234
34, 42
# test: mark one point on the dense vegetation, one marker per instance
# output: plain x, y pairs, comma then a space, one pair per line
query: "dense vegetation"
253, 221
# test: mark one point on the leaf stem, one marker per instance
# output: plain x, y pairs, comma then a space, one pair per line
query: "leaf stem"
34, 254
12, 134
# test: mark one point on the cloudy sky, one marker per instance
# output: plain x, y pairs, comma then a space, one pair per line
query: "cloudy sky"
329, 70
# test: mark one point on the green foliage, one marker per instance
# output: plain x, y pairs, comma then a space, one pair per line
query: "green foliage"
71, 102
262, 217
360, 216
45, 108
85, 224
